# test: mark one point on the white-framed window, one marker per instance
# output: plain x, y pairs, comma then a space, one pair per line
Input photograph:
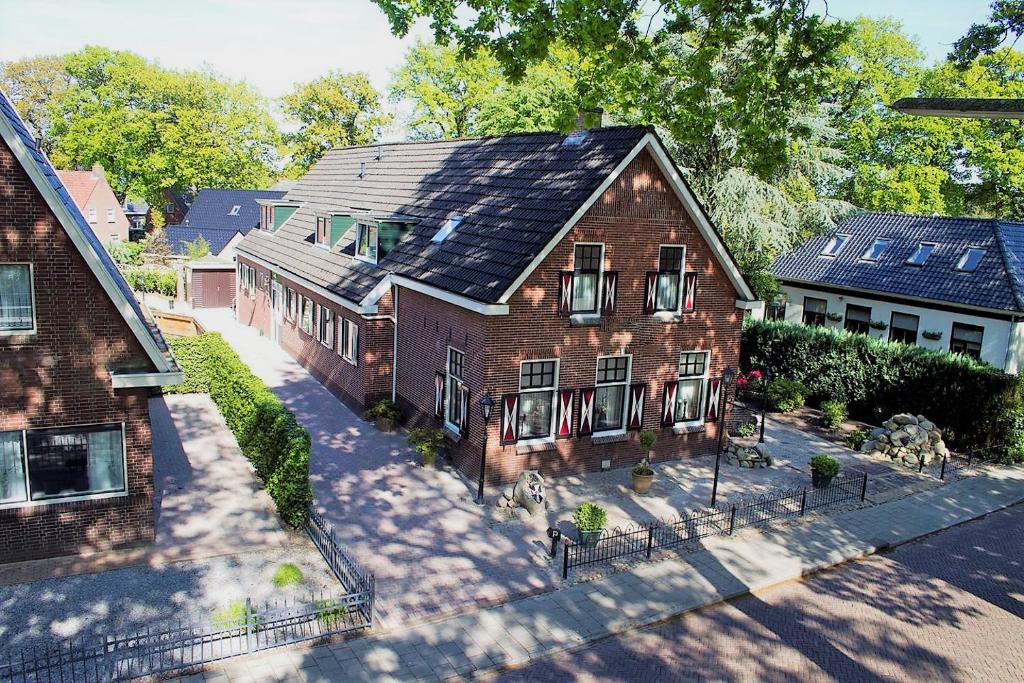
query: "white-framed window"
349, 348
290, 304
92, 214
115, 238
110, 215
921, 253
17, 299
877, 248
366, 242
306, 316
234, 210
693, 378
325, 326
42, 465
323, 231
588, 260
670, 277
610, 393
453, 416
970, 260
537, 382
834, 245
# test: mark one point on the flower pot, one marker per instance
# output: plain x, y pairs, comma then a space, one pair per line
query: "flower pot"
819, 480
589, 539
429, 458
385, 424
642, 482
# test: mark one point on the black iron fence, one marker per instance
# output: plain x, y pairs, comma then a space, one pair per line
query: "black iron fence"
953, 463
689, 528
243, 628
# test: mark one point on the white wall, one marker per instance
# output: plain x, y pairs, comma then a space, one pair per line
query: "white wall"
994, 342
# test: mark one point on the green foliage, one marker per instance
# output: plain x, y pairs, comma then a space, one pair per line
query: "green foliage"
286, 575
590, 517
334, 110
825, 465
126, 253
427, 441
384, 409
329, 610
1005, 22
833, 414
197, 248
34, 84
233, 616
647, 439
149, 279
786, 395
266, 431
745, 429
643, 469
856, 439
878, 379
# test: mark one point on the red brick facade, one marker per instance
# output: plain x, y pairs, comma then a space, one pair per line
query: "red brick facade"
632, 219
59, 377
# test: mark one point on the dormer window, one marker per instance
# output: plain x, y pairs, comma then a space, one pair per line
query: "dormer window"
835, 245
970, 260
234, 210
921, 254
323, 231
876, 249
366, 242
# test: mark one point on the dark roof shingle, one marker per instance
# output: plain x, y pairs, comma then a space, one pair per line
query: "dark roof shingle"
178, 235
212, 209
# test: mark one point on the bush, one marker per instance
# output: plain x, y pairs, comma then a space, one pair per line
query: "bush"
266, 431
833, 414
785, 395
647, 439
427, 441
287, 575
825, 465
143, 279
590, 517
643, 469
126, 253
384, 409
878, 379
857, 439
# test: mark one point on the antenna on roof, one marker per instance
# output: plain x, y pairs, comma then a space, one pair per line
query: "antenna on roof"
362, 169
380, 152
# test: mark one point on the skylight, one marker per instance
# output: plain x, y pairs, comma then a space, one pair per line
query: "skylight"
575, 139
876, 249
835, 245
234, 210
441, 234
921, 254
970, 260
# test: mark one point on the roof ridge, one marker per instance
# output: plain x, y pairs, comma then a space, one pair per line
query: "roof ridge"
473, 138
866, 212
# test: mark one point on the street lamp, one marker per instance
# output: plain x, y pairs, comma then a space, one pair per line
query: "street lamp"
486, 405
728, 375
764, 400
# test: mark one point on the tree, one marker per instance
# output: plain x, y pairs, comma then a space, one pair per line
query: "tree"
1006, 20
197, 248
336, 109
33, 84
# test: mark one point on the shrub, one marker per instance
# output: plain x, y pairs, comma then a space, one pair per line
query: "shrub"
878, 379
287, 575
647, 439
785, 395
384, 409
643, 469
427, 441
126, 253
833, 414
590, 517
143, 279
857, 439
825, 465
267, 432
745, 429
232, 616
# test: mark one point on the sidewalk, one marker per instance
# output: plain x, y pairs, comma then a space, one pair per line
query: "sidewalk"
530, 628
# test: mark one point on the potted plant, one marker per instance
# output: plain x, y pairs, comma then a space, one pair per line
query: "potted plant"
643, 476
590, 521
879, 325
834, 317
823, 468
428, 441
933, 335
385, 413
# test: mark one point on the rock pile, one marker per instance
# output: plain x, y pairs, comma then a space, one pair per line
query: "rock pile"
748, 456
528, 493
908, 439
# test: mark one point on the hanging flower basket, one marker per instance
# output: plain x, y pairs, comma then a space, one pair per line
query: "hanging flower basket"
834, 317
933, 335
878, 325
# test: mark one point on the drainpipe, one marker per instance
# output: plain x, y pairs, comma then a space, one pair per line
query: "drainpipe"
1010, 347
394, 342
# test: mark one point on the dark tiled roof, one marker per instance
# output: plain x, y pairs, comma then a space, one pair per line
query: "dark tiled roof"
43, 164
177, 235
961, 107
514, 193
212, 209
997, 283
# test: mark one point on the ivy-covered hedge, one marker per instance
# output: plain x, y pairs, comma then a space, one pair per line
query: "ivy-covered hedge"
266, 431
974, 403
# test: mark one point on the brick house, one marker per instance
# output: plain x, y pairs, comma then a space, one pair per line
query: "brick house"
95, 199
78, 359
574, 279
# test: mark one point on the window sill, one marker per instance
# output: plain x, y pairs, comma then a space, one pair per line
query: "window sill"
584, 320
50, 502
609, 437
14, 334
688, 428
535, 446
350, 361
668, 316
452, 433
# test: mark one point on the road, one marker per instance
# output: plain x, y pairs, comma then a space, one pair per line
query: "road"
949, 607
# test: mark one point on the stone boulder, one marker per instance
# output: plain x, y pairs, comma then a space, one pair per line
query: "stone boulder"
909, 439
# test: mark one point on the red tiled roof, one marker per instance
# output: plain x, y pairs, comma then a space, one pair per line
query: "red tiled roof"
80, 185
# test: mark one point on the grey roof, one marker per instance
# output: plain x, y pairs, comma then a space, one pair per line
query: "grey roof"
997, 283
962, 107
43, 165
514, 193
177, 235
212, 209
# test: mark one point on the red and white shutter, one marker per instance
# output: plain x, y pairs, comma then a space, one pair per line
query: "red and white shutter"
668, 404
438, 394
586, 411
690, 292
611, 283
714, 393
509, 418
565, 294
464, 401
650, 291
565, 405
637, 397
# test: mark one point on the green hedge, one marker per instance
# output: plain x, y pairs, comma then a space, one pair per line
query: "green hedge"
974, 403
144, 279
266, 431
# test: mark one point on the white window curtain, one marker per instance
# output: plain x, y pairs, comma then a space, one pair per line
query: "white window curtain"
12, 468
15, 297
106, 461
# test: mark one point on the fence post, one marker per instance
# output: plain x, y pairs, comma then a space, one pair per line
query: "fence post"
650, 539
565, 561
864, 488
732, 518
803, 501
248, 624
942, 472
920, 464
970, 454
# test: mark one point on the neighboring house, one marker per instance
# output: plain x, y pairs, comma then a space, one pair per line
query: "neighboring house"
94, 198
174, 205
137, 213
574, 279
949, 284
78, 360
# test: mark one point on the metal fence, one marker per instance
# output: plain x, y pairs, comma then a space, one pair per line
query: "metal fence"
953, 463
243, 628
722, 520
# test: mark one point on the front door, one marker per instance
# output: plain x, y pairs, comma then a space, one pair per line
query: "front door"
276, 310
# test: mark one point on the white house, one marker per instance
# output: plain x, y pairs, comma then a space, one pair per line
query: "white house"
949, 284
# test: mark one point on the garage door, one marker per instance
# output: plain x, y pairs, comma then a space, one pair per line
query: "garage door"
213, 288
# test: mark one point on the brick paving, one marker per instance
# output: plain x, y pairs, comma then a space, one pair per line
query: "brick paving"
947, 608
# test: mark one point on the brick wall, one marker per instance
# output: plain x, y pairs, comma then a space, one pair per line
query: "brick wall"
59, 377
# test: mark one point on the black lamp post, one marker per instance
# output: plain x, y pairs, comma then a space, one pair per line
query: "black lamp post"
764, 401
728, 375
486, 404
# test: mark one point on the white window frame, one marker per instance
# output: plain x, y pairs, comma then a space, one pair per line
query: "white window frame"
92, 215
961, 263
234, 210
840, 240
320, 332
588, 315
702, 394
290, 304
28, 502
625, 393
360, 227
550, 438
678, 310
917, 250
326, 222
866, 256
346, 348
450, 395
302, 316
110, 216
32, 297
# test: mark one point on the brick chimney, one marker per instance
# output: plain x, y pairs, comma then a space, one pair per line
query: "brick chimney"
589, 118
97, 170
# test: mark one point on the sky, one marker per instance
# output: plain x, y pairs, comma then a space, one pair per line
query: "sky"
273, 44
